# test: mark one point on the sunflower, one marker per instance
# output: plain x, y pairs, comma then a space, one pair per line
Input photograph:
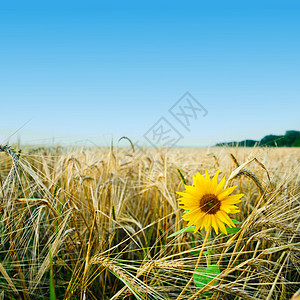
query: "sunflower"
207, 203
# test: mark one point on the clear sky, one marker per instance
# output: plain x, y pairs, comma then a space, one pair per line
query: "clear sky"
76, 70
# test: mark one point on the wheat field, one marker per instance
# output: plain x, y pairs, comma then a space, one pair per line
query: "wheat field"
101, 223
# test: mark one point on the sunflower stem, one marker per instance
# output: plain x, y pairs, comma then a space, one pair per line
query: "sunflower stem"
197, 264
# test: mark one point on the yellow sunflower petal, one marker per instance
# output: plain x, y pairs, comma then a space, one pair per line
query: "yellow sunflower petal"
221, 225
191, 190
220, 186
209, 187
207, 175
214, 182
187, 196
233, 199
224, 218
181, 193
227, 207
214, 224
207, 222
198, 180
226, 192
199, 222
201, 183
188, 201
189, 207
191, 214
197, 227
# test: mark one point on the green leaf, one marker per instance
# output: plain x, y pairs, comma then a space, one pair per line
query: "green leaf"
113, 213
186, 229
55, 191
181, 176
236, 221
205, 253
203, 276
233, 230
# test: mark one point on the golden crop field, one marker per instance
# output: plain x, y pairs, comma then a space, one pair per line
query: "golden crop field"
102, 223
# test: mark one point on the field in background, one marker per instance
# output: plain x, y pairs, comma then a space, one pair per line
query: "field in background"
94, 223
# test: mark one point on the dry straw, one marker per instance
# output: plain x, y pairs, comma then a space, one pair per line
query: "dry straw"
102, 219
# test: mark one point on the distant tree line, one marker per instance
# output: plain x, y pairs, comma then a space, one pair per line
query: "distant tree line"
291, 138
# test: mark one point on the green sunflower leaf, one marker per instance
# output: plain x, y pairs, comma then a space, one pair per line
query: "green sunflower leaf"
233, 230
186, 229
236, 221
203, 276
230, 230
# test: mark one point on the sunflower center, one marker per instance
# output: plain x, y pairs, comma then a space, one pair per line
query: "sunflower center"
210, 204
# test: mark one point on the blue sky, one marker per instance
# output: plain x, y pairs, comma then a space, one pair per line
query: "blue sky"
93, 70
